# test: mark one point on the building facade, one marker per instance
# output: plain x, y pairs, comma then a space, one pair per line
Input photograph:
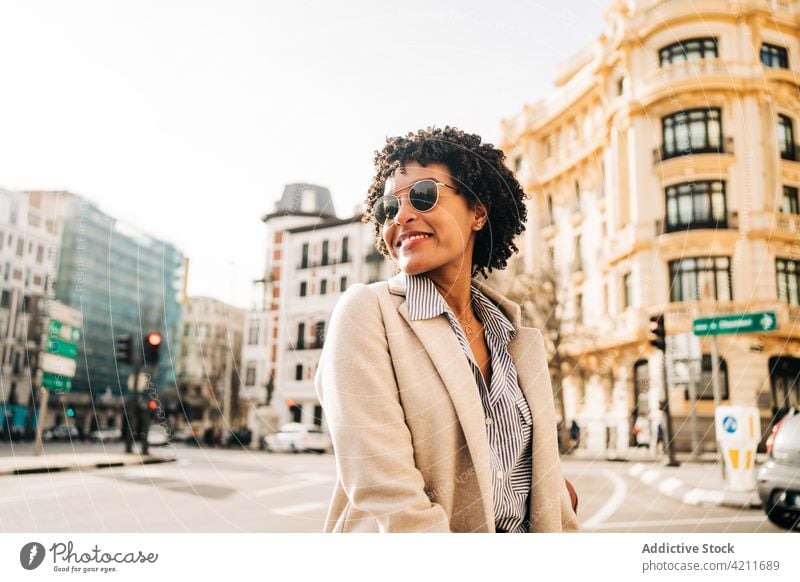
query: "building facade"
124, 282
208, 364
28, 254
664, 172
311, 258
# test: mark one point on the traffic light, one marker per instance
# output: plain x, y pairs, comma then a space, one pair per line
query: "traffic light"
125, 348
658, 335
70, 412
152, 344
152, 405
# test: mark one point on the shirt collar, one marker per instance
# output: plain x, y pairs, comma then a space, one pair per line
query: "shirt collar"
425, 302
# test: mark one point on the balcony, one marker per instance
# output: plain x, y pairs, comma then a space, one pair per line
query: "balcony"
315, 345
627, 241
327, 263
775, 225
731, 221
725, 147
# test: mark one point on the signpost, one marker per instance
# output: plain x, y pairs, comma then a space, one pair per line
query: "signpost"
758, 322
57, 365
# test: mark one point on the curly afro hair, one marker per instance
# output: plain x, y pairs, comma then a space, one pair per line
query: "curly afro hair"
480, 175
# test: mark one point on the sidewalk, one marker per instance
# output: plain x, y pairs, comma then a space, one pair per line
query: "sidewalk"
26, 463
695, 482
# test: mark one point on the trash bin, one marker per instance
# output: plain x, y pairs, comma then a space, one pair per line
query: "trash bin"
738, 432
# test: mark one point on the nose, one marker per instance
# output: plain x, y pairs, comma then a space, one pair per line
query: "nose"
405, 212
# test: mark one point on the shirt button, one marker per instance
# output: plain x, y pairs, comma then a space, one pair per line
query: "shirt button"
489, 422
499, 474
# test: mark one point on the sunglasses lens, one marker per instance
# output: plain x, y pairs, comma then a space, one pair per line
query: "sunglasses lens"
423, 195
386, 208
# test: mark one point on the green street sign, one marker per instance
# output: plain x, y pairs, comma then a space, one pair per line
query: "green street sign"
65, 332
62, 348
56, 382
742, 323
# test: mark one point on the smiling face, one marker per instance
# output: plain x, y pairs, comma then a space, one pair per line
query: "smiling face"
444, 249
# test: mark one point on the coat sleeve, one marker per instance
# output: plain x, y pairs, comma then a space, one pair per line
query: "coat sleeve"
357, 388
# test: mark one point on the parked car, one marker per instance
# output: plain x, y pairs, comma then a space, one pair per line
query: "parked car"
61, 432
157, 435
105, 435
295, 437
779, 477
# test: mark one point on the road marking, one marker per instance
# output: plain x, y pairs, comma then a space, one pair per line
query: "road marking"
650, 476
614, 502
698, 496
636, 470
314, 477
301, 508
669, 485
697, 521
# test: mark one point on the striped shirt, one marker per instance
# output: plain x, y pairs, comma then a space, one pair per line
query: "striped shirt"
508, 417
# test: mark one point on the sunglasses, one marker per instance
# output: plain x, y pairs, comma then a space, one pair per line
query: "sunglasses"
423, 196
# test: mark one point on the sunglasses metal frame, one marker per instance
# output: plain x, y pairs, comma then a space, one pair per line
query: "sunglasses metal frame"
409, 187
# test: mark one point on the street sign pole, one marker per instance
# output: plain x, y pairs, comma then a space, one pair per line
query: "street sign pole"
693, 411
717, 394
133, 423
44, 396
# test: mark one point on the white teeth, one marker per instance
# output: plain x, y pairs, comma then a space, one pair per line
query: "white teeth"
416, 236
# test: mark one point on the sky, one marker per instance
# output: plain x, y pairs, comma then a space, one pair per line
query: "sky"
186, 118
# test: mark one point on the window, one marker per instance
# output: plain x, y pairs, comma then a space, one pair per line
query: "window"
790, 200
304, 260
2, 239
693, 49
39, 253
700, 279
620, 85
298, 372
323, 286
252, 333
303, 288
788, 273
342, 284
5, 299
296, 410
250, 375
579, 315
784, 373
774, 56
20, 247
786, 143
319, 334
578, 197
627, 290
301, 336
324, 252
577, 261
692, 131
318, 415
705, 388
345, 249
696, 205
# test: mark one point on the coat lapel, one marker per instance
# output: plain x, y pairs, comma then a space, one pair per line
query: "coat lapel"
445, 352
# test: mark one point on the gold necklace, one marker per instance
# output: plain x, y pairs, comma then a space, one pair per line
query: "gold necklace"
469, 329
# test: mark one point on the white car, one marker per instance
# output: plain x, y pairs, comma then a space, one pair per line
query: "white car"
295, 437
157, 435
106, 435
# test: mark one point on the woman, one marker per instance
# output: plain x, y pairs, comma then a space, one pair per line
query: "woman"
438, 402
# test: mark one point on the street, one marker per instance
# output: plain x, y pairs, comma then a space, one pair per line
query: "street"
234, 490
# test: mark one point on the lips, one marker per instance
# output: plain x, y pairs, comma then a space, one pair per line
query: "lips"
408, 241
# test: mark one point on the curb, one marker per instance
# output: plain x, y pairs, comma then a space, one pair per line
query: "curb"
74, 462
677, 489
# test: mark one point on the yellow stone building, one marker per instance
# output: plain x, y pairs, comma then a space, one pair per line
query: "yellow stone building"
664, 174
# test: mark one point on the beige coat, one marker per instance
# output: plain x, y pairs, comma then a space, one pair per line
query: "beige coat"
408, 426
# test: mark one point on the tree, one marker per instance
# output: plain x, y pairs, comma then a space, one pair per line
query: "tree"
543, 298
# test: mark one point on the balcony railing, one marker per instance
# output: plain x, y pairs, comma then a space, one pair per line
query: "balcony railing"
725, 147
775, 221
315, 345
315, 264
731, 221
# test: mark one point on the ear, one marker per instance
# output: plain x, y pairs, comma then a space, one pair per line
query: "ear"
480, 215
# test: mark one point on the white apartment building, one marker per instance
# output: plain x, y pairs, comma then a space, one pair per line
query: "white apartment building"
29, 241
312, 257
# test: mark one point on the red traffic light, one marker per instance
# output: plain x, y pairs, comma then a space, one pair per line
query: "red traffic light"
152, 405
154, 338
